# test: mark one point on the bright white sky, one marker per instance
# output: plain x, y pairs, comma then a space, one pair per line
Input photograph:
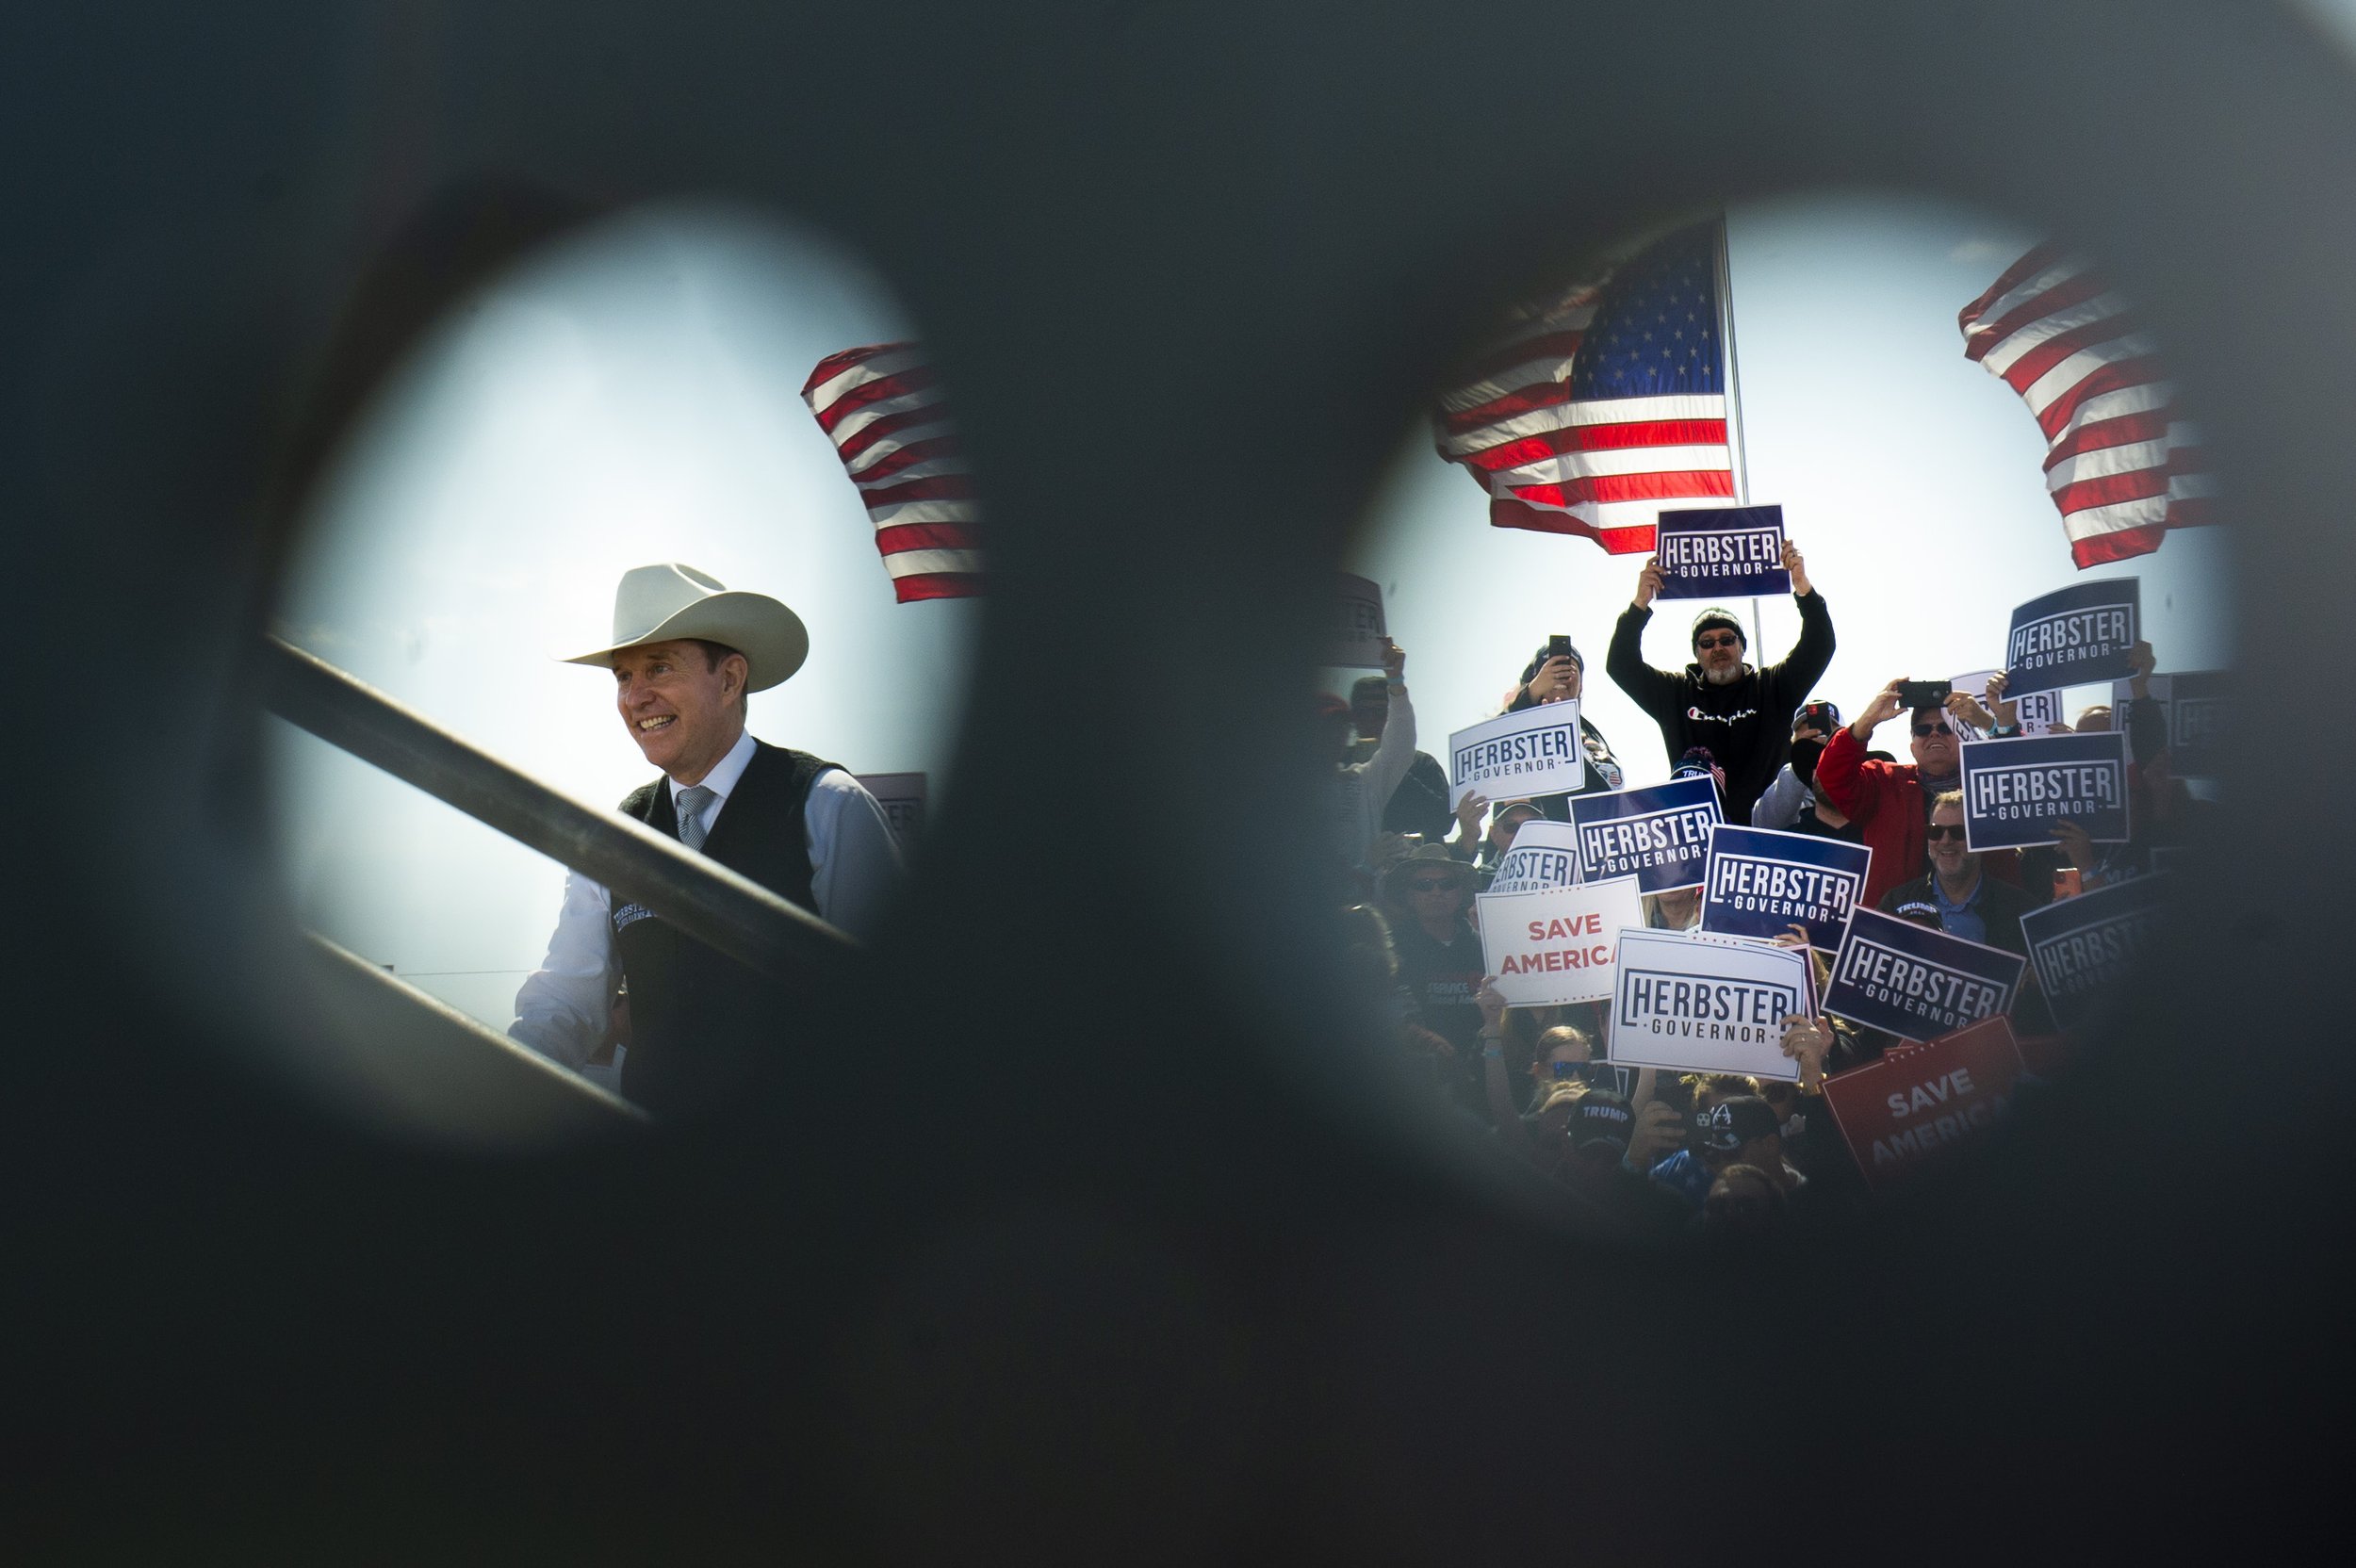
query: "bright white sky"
1910, 478
636, 397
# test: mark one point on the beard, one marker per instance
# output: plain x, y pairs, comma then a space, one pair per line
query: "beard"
1726, 676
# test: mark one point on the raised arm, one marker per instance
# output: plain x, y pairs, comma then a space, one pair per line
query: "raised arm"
1496, 1084
2146, 725
1841, 772
1797, 674
1654, 691
1393, 753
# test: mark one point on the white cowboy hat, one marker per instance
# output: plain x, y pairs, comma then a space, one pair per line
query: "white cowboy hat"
674, 602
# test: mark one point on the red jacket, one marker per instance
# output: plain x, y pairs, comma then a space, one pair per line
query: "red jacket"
1885, 800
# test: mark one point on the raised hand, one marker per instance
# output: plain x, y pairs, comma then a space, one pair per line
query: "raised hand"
1883, 709
2007, 711
1796, 563
1552, 682
1649, 582
1492, 1004
1964, 707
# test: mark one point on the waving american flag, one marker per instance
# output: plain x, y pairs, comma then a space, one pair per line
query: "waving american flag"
2123, 464
1604, 403
882, 408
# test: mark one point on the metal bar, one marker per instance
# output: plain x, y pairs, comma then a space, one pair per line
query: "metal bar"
431, 1069
703, 898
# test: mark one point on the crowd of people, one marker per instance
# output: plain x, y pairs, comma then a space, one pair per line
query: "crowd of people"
1656, 1151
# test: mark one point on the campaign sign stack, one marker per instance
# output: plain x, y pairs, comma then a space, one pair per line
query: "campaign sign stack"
1721, 552
1917, 982
1557, 945
1355, 635
2016, 790
2077, 637
1760, 883
1534, 752
2084, 947
1912, 1109
1659, 835
2193, 702
1545, 854
1698, 1004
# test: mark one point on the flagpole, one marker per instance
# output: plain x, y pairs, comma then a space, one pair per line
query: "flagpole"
1734, 397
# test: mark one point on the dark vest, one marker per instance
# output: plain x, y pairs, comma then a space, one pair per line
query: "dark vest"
695, 1015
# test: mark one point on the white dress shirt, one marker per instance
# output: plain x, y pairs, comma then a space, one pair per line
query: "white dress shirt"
853, 871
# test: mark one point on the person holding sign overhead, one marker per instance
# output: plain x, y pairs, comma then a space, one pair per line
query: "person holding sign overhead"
1740, 712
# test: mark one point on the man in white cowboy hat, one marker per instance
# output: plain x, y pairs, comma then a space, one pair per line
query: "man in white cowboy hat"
686, 652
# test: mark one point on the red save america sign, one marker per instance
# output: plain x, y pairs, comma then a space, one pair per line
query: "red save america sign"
1912, 1109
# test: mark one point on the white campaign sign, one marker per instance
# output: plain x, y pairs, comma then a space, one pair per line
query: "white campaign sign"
2037, 712
1714, 1005
1513, 755
1556, 945
1545, 854
2041, 714
1975, 686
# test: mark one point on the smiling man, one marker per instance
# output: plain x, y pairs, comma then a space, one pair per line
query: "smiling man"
1891, 802
1740, 712
1965, 901
685, 655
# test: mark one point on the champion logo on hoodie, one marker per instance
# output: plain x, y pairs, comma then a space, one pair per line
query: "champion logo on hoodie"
1723, 718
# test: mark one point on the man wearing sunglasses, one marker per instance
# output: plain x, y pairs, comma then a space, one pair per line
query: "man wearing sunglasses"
1740, 713
1891, 802
1965, 901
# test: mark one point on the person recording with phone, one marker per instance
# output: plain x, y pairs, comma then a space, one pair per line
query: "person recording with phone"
1891, 802
1558, 673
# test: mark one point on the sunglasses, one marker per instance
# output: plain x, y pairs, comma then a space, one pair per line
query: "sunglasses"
1440, 887
1939, 830
1922, 729
1724, 639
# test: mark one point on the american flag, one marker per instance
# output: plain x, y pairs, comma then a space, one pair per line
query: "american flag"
882, 408
1604, 403
2123, 465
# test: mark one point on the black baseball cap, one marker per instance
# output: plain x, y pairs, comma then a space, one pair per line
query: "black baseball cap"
1601, 1119
1820, 715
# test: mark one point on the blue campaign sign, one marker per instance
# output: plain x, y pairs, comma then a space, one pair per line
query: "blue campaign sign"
1760, 883
1917, 982
1721, 552
1659, 835
2196, 705
2080, 635
2083, 947
2015, 790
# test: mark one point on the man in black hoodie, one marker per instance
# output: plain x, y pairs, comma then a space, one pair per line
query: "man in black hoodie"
1741, 713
